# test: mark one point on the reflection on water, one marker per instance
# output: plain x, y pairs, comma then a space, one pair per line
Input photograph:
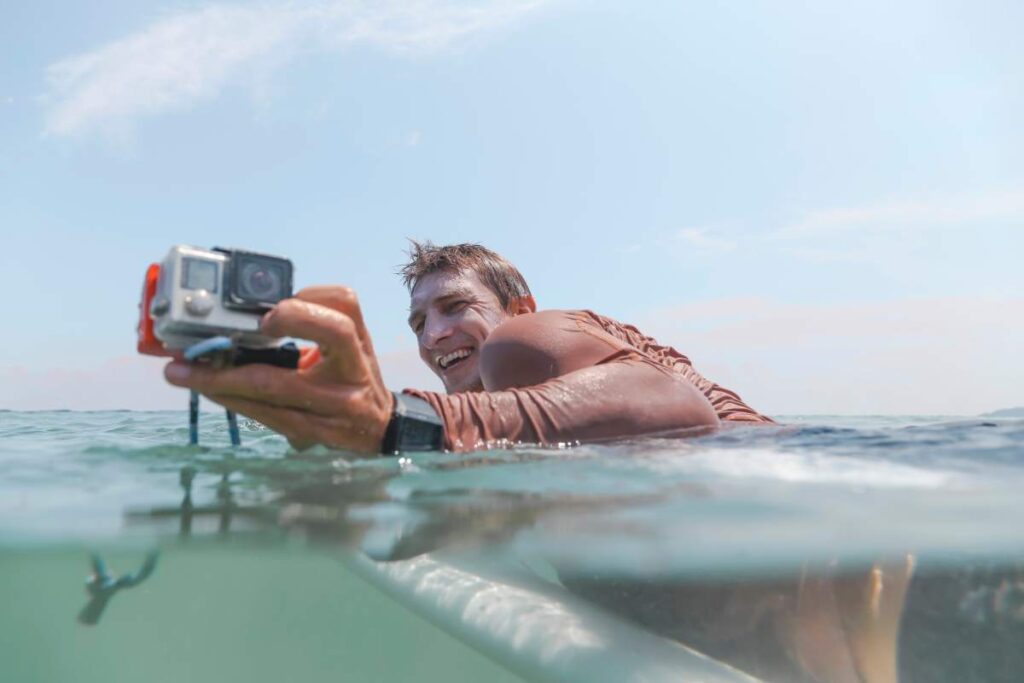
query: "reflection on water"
872, 551
891, 621
102, 586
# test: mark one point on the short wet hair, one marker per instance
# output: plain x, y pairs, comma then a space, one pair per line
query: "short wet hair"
500, 276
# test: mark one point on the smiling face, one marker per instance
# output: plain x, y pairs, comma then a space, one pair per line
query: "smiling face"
452, 313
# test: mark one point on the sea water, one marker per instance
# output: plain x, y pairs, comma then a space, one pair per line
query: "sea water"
714, 542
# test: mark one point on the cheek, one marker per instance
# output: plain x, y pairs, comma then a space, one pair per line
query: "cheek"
492, 324
481, 324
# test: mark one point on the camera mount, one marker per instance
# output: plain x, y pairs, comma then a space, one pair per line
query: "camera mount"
224, 352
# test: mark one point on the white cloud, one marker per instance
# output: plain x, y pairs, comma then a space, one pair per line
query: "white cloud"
914, 236
191, 56
683, 241
702, 239
914, 215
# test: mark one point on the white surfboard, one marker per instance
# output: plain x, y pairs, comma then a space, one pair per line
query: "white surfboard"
535, 627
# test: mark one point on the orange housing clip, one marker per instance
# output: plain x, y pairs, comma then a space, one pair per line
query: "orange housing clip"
148, 343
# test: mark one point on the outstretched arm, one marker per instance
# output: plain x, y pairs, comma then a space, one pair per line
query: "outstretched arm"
553, 377
548, 381
336, 397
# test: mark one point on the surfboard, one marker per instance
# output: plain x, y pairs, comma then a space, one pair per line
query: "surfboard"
535, 627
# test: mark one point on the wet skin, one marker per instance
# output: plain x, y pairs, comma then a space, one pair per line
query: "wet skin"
452, 314
336, 396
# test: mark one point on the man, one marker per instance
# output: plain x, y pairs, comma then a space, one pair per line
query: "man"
512, 374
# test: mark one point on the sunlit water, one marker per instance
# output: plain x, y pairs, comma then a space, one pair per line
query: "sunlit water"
697, 540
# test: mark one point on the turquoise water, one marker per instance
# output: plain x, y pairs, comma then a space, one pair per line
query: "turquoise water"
217, 612
254, 579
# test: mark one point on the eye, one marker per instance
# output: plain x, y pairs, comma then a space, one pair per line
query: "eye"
457, 305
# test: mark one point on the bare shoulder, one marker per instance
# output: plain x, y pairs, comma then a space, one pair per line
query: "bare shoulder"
534, 347
551, 321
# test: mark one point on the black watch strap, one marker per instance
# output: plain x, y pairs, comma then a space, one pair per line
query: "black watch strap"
414, 426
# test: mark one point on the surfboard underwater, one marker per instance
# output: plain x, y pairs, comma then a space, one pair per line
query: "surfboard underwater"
533, 626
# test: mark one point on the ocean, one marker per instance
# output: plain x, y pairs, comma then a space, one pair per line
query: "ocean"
749, 546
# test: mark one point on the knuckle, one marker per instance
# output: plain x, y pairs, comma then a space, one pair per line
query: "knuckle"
347, 295
346, 404
345, 328
347, 301
351, 402
261, 382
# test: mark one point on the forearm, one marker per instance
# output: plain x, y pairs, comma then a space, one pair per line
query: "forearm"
628, 397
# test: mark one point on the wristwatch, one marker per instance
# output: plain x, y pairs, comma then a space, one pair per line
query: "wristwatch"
414, 426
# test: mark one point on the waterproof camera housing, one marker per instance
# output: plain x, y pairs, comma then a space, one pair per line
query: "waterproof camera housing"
195, 294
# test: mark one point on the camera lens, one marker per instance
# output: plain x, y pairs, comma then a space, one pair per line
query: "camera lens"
255, 282
260, 281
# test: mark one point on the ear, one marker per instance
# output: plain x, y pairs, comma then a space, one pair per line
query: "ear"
524, 304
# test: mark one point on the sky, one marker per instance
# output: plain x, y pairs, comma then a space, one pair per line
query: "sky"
820, 203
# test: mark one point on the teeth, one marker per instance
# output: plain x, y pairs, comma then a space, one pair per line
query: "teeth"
449, 358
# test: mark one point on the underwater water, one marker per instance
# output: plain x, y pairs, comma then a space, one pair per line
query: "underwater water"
804, 552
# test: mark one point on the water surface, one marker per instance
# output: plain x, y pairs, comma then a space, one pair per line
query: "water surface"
666, 533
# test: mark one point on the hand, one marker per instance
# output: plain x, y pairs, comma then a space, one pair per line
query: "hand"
336, 397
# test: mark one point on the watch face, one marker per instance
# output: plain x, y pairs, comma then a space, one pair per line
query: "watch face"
414, 427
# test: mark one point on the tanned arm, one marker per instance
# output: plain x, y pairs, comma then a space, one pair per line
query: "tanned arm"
553, 377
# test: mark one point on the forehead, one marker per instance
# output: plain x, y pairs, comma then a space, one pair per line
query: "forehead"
445, 283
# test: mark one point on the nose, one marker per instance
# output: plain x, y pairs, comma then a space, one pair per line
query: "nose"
435, 329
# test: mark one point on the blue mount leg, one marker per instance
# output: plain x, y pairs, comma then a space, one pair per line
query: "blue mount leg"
193, 418
236, 438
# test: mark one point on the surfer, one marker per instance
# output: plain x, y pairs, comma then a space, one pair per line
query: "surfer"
511, 373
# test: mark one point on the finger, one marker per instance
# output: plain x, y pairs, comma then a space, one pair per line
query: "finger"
333, 331
343, 300
258, 382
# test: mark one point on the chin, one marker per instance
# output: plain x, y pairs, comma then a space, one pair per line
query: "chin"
471, 384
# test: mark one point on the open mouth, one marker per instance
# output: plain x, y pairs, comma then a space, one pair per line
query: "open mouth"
453, 358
